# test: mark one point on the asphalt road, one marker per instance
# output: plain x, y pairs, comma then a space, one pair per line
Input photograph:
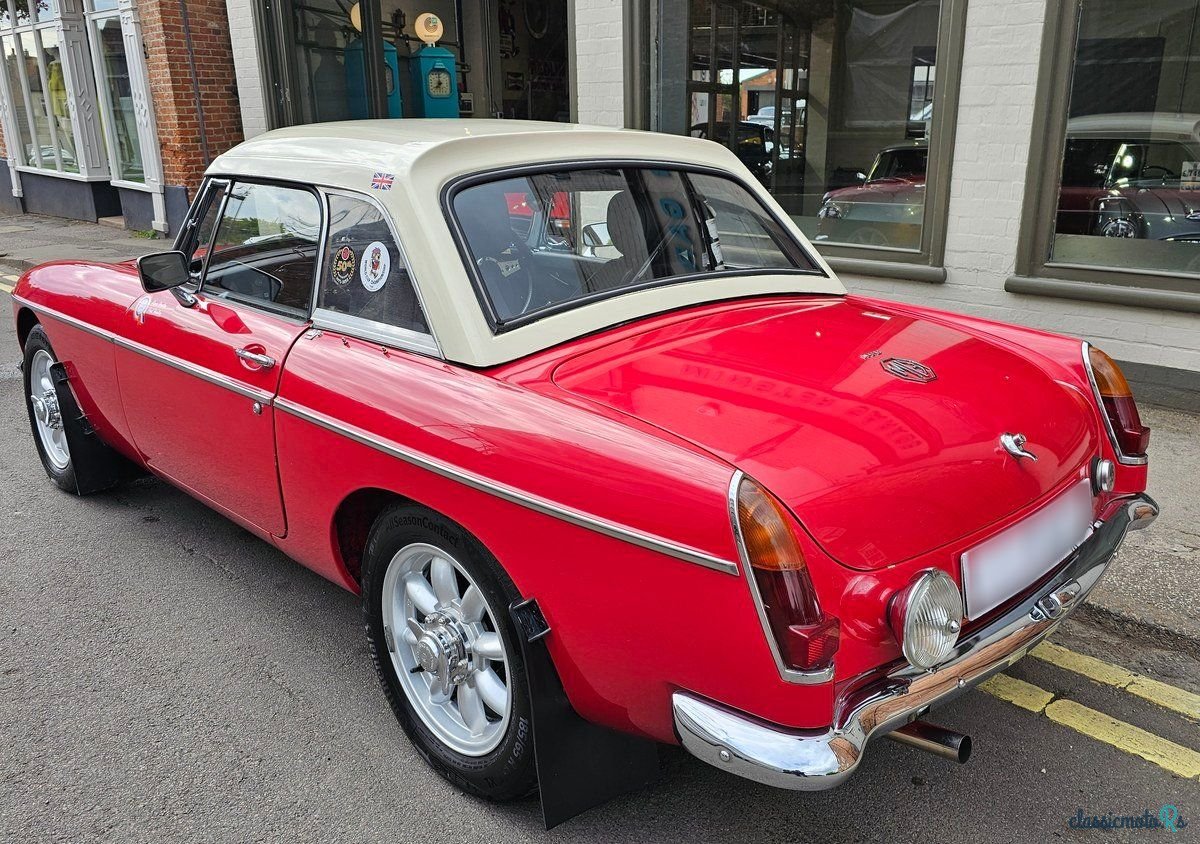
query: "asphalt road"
164, 676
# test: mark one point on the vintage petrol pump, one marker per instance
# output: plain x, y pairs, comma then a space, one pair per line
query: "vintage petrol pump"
434, 74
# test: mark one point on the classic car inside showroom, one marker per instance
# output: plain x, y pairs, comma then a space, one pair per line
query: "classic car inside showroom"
670, 420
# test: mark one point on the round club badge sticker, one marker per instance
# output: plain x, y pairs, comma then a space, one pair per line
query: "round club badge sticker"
374, 266
344, 261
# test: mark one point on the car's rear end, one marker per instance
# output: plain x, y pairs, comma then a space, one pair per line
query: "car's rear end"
917, 500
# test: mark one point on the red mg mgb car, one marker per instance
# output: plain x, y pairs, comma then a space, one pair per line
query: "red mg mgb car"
690, 492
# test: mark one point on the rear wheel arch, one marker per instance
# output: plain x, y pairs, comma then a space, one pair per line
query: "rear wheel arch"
352, 523
357, 514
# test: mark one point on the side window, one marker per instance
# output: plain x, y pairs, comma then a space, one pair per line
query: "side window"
265, 247
743, 234
364, 274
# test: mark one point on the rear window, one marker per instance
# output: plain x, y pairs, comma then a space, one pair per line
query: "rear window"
544, 242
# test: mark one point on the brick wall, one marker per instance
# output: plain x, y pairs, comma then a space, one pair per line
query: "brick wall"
991, 151
171, 84
599, 62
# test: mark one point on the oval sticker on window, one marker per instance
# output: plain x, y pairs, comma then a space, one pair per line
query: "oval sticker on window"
343, 266
374, 266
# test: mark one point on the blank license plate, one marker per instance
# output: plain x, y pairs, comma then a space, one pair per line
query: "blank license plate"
1011, 561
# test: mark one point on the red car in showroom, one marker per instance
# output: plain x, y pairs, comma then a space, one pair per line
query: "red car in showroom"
690, 493
1131, 175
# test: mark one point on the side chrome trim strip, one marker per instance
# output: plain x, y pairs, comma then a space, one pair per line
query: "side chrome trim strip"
511, 494
215, 378
791, 675
503, 491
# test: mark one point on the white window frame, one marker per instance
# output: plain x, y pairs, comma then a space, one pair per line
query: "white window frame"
67, 23
139, 84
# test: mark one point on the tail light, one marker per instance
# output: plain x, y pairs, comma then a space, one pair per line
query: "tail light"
805, 639
1125, 427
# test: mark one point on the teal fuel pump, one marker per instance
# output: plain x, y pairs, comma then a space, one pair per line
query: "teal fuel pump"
356, 84
434, 72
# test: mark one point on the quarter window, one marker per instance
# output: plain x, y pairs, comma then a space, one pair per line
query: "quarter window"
265, 248
199, 236
364, 275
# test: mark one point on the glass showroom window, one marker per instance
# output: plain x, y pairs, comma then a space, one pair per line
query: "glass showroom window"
830, 103
34, 85
1126, 173
118, 88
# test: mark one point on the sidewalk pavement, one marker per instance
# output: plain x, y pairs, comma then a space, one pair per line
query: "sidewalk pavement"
29, 240
1154, 584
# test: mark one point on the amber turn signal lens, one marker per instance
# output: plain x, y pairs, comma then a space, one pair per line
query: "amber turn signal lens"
769, 540
1110, 380
1132, 438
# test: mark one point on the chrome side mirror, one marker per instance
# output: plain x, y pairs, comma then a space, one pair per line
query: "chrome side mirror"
166, 271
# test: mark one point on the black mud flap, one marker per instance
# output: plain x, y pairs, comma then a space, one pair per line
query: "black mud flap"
97, 467
580, 765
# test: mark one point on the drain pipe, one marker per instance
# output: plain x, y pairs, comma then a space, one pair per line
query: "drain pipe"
187, 38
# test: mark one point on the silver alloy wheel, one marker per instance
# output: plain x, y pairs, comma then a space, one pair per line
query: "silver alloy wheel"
446, 649
44, 400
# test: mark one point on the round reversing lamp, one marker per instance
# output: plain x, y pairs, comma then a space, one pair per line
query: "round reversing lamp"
926, 617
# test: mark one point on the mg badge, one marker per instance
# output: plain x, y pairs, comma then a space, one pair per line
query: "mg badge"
909, 370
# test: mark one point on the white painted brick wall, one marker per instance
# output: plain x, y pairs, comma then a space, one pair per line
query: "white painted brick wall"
991, 151
245, 64
599, 62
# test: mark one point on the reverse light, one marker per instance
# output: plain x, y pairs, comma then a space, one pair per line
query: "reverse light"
804, 638
1130, 437
926, 617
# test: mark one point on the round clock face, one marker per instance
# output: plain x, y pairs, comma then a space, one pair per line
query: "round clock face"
438, 82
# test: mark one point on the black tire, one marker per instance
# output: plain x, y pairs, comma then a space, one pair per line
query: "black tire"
508, 772
63, 478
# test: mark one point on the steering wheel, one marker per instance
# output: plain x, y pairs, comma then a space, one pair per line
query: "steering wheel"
1167, 172
500, 286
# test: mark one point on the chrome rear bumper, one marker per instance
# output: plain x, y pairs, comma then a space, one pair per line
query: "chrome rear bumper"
811, 761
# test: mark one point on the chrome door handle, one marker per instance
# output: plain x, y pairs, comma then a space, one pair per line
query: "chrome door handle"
265, 361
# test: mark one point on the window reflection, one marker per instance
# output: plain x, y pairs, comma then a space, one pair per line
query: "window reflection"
120, 113
1129, 190
828, 102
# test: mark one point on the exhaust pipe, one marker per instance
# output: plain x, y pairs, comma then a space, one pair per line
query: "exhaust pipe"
933, 739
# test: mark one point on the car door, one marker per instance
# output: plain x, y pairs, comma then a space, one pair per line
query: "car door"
199, 374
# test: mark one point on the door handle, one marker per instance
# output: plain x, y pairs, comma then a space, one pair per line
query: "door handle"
263, 361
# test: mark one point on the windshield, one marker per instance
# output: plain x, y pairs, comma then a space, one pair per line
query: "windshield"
547, 241
900, 164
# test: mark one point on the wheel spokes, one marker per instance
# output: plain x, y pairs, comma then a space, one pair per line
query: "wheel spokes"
492, 689
420, 593
472, 606
488, 646
445, 582
470, 707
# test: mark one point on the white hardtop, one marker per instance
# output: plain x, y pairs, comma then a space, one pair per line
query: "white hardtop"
406, 164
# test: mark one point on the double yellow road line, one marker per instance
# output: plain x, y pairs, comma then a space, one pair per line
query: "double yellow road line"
7, 282
1176, 758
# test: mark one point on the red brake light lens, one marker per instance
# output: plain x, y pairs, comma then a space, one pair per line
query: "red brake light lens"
806, 638
1132, 437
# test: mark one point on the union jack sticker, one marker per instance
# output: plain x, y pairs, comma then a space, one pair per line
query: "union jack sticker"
382, 181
